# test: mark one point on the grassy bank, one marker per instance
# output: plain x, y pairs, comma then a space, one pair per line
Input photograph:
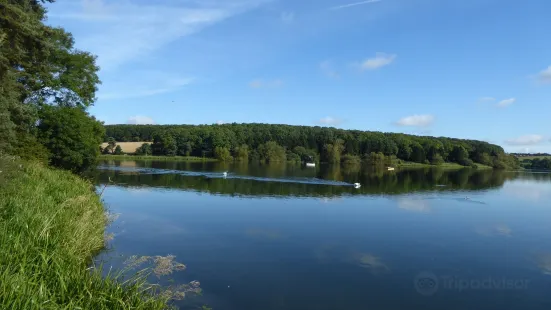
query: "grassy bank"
51, 225
167, 158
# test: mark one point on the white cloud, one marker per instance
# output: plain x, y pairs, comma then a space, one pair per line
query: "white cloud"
344, 6
330, 121
259, 83
380, 60
545, 75
140, 120
506, 102
220, 122
121, 31
329, 70
288, 17
487, 99
526, 140
416, 121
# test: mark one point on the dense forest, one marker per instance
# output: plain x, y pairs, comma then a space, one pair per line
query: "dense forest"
266, 142
46, 85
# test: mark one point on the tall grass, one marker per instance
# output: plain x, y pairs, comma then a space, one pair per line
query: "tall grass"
51, 225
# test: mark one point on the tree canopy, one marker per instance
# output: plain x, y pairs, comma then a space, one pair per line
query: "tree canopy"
270, 142
40, 68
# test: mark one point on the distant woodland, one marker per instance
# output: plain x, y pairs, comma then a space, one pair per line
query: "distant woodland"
275, 143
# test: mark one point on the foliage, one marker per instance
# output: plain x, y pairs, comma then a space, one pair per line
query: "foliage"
271, 152
241, 153
51, 225
311, 142
118, 150
144, 149
222, 154
39, 67
71, 137
537, 163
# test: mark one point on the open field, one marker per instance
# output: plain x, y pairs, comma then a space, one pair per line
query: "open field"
175, 158
127, 147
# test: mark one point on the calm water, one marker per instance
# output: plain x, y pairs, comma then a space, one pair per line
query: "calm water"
288, 237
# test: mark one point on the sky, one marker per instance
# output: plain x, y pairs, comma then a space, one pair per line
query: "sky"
476, 69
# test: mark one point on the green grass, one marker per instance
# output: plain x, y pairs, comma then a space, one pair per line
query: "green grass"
51, 225
171, 158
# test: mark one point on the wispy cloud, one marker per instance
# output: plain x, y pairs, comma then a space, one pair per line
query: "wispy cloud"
121, 31
380, 60
140, 120
487, 99
220, 122
287, 17
143, 84
505, 103
259, 83
329, 70
526, 140
416, 121
330, 121
349, 5
545, 76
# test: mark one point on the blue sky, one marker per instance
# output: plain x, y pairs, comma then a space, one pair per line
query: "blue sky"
477, 69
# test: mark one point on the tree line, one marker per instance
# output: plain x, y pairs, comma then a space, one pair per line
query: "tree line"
46, 86
537, 163
276, 143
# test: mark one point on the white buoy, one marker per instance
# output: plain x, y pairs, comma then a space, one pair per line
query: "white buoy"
357, 185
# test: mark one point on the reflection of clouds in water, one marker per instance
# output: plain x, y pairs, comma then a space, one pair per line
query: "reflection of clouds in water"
529, 191
137, 190
414, 204
329, 199
371, 262
264, 234
330, 253
544, 263
496, 230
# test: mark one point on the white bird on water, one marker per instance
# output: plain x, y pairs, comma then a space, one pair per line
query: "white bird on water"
357, 185
225, 174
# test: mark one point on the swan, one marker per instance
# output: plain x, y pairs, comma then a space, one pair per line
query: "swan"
225, 174
357, 185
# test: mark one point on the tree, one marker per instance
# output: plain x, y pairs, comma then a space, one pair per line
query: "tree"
71, 137
332, 152
144, 149
222, 154
241, 153
111, 144
118, 150
39, 66
272, 152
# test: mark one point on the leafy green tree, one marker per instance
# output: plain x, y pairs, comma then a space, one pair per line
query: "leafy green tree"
417, 153
144, 149
118, 150
222, 154
71, 137
437, 160
272, 152
332, 152
241, 153
376, 159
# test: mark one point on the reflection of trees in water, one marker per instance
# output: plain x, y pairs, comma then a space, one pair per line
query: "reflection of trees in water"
374, 181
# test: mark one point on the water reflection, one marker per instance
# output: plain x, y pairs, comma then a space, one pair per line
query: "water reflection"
295, 180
